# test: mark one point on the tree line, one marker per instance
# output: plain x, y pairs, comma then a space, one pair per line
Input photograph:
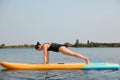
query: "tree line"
17, 46
77, 44
95, 44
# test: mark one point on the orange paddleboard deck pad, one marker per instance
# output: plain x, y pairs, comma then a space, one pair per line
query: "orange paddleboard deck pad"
61, 66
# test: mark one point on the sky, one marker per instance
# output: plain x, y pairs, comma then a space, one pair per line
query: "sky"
60, 21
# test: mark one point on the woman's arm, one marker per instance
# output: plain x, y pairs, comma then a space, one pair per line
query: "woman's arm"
46, 55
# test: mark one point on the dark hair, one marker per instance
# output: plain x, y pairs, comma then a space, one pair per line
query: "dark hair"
37, 45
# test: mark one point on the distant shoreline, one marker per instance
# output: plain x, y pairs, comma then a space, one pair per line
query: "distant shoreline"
76, 45
33, 47
80, 46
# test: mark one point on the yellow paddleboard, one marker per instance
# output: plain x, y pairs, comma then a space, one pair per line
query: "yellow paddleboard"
60, 66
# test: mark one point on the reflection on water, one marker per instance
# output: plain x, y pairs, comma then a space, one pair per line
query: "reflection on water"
59, 75
32, 56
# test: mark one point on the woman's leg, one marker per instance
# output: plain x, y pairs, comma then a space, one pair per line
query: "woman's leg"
66, 51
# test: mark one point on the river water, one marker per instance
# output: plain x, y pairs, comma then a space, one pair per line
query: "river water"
32, 56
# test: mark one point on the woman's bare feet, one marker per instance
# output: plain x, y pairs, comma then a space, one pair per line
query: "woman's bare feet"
86, 60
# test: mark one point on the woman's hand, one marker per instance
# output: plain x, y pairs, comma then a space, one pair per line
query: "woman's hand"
45, 63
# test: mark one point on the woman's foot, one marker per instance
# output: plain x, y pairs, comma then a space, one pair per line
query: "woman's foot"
86, 60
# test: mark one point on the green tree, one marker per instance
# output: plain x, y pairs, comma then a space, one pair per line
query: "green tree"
2, 45
77, 43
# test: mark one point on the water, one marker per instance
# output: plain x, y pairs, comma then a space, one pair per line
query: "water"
33, 56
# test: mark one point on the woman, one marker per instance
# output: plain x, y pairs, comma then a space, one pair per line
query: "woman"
46, 47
